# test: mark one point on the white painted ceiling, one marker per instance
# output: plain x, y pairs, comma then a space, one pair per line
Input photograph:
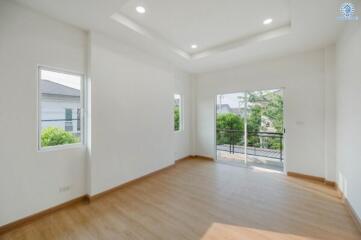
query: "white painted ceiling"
207, 23
228, 32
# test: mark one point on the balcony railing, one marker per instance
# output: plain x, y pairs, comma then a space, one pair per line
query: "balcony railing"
262, 144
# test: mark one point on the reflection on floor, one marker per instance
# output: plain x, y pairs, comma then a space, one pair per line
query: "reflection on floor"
238, 159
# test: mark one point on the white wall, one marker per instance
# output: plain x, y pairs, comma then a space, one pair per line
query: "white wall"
330, 113
349, 114
132, 114
302, 76
132, 109
183, 139
30, 180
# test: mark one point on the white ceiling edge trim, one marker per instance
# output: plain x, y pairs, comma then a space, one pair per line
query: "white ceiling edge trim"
125, 21
259, 37
132, 25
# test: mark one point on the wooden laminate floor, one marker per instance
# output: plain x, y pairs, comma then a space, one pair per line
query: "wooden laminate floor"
199, 199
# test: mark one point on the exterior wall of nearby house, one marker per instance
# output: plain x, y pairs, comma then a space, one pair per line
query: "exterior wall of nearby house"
267, 125
53, 112
224, 108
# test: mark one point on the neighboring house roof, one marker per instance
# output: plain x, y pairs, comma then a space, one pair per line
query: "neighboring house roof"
236, 111
52, 88
225, 108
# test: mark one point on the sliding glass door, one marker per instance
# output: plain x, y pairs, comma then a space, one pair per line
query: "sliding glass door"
250, 128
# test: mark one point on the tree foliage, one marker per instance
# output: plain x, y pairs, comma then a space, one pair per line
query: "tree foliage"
53, 136
270, 105
254, 123
229, 121
274, 111
176, 118
254, 120
262, 105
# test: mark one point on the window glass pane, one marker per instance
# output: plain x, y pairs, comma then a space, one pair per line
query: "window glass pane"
177, 113
68, 114
60, 104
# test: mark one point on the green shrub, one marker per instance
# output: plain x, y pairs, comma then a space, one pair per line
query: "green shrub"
53, 136
176, 118
229, 121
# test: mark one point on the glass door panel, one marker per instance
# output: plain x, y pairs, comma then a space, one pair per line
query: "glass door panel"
250, 128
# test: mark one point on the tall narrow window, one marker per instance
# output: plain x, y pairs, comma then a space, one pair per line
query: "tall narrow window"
178, 118
60, 99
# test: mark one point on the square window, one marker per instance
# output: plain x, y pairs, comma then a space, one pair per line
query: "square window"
60, 108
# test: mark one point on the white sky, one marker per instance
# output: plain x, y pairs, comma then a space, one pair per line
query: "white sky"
232, 99
73, 81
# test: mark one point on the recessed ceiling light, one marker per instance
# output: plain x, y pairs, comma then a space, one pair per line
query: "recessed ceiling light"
268, 21
140, 9
194, 46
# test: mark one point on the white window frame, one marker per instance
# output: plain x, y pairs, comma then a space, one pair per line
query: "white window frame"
181, 117
82, 142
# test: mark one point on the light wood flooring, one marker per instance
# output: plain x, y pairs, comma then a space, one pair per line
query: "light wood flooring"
203, 200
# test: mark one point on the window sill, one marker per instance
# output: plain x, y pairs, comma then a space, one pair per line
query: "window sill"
61, 147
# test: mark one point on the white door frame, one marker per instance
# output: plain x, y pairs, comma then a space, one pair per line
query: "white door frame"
284, 161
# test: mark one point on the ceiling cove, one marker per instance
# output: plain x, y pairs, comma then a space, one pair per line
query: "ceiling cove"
229, 45
199, 29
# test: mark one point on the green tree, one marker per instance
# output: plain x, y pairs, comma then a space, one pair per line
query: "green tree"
53, 136
229, 121
255, 119
176, 118
272, 107
274, 111
268, 104
254, 122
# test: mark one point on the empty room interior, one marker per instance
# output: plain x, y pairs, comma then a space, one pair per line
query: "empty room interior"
180, 119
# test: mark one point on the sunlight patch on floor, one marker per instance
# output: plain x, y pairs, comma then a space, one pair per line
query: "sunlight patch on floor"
266, 170
219, 231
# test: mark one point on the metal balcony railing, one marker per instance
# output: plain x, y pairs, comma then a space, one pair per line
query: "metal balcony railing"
262, 144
